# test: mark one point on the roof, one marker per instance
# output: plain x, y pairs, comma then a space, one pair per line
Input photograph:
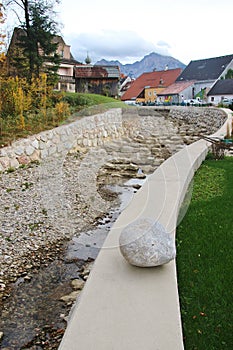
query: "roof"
89, 71
222, 87
71, 61
56, 39
176, 88
155, 79
205, 69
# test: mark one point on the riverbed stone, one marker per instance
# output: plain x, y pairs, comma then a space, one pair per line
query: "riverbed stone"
70, 297
77, 284
146, 243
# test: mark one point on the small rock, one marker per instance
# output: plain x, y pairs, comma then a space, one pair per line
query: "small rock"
85, 277
137, 186
70, 297
1, 335
2, 286
77, 284
27, 278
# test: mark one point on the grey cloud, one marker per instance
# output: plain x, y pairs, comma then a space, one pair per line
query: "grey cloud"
125, 46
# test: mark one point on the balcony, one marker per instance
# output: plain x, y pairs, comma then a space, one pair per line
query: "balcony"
66, 79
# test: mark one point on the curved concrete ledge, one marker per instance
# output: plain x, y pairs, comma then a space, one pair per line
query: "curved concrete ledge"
123, 307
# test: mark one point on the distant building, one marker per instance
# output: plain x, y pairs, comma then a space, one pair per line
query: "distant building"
125, 83
205, 73
65, 71
221, 90
97, 79
176, 93
147, 86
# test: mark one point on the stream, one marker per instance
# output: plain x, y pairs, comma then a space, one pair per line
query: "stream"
34, 316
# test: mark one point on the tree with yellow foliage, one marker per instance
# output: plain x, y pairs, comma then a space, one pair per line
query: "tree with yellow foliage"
2, 36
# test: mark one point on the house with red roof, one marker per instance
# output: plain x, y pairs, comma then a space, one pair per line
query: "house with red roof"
147, 86
177, 92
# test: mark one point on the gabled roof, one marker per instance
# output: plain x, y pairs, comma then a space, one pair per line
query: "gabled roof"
155, 79
18, 32
222, 87
70, 61
89, 71
205, 69
176, 88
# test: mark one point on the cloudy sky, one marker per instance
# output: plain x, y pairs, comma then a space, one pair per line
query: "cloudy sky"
127, 30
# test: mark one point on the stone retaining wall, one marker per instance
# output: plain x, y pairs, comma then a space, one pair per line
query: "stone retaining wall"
87, 132
206, 119
95, 130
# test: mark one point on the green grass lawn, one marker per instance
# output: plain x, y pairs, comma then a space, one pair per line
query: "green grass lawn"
204, 259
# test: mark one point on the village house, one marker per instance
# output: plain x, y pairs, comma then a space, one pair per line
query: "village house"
221, 92
66, 80
147, 86
97, 79
205, 73
176, 93
65, 71
125, 83
73, 76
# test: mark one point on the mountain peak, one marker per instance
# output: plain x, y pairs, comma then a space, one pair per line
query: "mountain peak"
149, 63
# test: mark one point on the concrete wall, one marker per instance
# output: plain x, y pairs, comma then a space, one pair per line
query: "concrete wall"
124, 307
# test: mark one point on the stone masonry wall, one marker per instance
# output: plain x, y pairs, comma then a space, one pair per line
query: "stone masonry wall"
88, 132
96, 130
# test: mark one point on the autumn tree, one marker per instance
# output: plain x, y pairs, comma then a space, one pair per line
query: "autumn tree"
36, 39
2, 37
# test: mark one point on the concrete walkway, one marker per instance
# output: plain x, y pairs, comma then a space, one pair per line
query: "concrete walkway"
123, 307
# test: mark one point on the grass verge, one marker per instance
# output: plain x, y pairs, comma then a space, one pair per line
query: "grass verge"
204, 259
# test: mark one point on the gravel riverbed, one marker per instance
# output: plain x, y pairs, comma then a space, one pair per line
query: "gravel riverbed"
42, 207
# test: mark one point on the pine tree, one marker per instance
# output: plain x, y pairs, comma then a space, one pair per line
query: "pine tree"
36, 41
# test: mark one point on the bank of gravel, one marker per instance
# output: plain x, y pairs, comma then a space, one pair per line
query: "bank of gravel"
32, 231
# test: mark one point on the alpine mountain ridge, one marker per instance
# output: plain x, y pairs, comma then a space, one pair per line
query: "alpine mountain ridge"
149, 63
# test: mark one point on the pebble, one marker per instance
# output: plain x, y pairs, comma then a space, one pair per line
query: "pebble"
77, 284
69, 298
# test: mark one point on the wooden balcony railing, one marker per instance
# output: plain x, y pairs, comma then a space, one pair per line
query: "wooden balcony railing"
66, 79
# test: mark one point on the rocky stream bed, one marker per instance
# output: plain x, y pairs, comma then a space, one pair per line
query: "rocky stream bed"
44, 260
